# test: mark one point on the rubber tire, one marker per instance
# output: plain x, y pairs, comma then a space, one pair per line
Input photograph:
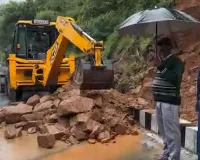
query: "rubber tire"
13, 95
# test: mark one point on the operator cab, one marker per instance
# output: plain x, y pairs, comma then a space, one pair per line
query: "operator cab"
32, 39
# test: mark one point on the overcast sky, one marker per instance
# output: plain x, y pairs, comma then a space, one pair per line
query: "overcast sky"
5, 1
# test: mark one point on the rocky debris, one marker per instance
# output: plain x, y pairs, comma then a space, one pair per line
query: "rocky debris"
72, 93
19, 132
20, 124
134, 132
136, 90
51, 118
33, 117
75, 105
3, 124
46, 140
121, 128
11, 133
50, 111
64, 121
91, 141
79, 134
32, 130
56, 102
104, 137
32, 101
46, 98
43, 106
57, 130
32, 124
72, 117
42, 129
13, 114
142, 101
79, 118
73, 140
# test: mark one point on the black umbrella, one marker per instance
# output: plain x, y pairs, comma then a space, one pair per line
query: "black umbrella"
157, 21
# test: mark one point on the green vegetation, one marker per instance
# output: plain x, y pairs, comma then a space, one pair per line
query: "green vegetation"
99, 18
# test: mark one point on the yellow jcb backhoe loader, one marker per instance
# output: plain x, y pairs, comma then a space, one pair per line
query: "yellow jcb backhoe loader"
37, 61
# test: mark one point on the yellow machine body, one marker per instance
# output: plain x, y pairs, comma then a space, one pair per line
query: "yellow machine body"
28, 72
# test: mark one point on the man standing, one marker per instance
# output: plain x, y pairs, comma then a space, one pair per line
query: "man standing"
166, 92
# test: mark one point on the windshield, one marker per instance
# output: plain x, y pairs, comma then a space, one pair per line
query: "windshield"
39, 40
35, 41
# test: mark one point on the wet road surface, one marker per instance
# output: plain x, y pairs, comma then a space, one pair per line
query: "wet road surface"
126, 148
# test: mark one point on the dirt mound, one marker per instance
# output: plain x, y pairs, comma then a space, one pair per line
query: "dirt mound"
73, 116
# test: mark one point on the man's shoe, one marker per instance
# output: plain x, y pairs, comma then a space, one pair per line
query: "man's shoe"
161, 157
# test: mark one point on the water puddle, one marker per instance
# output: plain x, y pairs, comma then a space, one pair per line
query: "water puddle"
125, 148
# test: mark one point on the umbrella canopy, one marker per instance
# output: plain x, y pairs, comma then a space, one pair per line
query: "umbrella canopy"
157, 21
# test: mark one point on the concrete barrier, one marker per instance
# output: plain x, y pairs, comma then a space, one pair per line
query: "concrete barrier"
147, 119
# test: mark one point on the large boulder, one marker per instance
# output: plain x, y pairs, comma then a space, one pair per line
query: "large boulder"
104, 137
57, 130
79, 118
43, 106
121, 128
31, 124
74, 105
33, 117
33, 100
13, 114
51, 118
71, 93
46, 98
11, 133
46, 140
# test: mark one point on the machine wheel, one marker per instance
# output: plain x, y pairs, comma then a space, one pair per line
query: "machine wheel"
52, 89
13, 95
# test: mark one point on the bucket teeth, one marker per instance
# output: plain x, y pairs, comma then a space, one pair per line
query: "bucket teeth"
88, 77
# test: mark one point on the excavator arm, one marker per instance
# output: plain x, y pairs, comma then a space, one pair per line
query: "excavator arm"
87, 74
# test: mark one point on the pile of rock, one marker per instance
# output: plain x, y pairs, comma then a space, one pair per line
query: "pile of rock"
71, 116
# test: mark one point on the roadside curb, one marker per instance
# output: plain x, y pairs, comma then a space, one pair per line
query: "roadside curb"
147, 119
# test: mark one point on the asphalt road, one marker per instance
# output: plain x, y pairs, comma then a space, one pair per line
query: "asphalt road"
140, 147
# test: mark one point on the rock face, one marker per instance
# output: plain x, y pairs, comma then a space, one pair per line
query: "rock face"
13, 114
46, 140
75, 105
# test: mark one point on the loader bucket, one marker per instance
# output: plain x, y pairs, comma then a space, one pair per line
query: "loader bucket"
89, 77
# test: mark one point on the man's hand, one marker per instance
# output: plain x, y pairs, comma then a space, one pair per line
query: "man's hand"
157, 61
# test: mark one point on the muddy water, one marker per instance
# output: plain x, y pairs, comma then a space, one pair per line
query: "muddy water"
25, 148
125, 148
